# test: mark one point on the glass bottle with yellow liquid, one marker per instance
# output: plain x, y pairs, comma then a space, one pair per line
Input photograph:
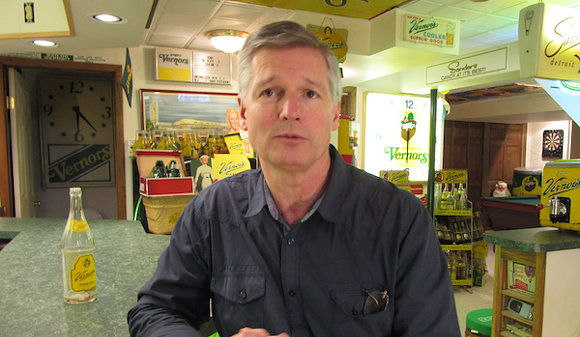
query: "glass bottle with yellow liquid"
79, 272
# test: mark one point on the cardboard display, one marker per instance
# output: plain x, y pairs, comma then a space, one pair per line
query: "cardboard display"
156, 187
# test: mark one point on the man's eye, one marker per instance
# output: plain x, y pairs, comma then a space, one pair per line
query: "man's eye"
268, 92
311, 94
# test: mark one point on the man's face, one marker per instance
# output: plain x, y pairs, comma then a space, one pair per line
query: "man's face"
289, 113
233, 120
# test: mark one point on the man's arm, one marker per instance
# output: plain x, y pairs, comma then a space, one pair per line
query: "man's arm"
425, 301
176, 300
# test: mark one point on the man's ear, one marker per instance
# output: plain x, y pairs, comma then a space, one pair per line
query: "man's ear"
242, 110
336, 116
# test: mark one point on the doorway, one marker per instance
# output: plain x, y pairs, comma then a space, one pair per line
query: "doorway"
109, 202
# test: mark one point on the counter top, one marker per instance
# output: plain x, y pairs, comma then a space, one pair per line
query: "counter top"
537, 240
31, 287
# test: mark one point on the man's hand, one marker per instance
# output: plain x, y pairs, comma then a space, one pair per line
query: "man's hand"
247, 332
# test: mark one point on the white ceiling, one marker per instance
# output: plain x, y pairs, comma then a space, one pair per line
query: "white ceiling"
183, 24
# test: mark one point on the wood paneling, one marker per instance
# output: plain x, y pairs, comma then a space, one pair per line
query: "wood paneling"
488, 151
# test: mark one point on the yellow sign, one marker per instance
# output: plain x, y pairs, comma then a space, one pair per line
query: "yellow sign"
226, 165
335, 39
362, 9
83, 274
451, 177
396, 177
237, 145
173, 65
549, 42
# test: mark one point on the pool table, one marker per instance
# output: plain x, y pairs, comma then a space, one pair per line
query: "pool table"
511, 212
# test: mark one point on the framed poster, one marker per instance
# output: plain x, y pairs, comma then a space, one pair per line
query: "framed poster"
164, 110
77, 124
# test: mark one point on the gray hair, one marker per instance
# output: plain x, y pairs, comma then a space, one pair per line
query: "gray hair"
284, 34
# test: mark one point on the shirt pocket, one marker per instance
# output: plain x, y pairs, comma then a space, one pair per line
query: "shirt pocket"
239, 296
347, 318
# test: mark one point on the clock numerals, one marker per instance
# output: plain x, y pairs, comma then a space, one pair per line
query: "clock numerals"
79, 136
48, 109
77, 87
108, 112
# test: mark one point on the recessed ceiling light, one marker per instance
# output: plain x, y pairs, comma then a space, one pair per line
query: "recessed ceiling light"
44, 43
107, 18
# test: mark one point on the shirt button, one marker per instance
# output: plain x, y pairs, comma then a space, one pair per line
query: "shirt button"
291, 241
292, 293
355, 312
243, 294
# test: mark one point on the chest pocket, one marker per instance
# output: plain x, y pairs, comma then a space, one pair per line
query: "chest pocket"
239, 296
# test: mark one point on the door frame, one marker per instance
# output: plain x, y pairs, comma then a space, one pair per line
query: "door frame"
116, 71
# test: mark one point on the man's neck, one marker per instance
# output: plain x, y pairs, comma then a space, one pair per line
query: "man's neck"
296, 191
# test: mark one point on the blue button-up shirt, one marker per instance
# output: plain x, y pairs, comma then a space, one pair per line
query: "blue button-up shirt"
306, 280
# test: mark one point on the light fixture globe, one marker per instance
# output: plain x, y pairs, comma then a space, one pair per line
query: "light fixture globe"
229, 41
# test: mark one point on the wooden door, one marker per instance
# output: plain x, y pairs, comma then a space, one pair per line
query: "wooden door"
489, 151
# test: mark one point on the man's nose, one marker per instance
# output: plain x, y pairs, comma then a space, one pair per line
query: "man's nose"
290, 108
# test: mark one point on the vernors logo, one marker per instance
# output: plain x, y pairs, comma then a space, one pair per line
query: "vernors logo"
394, 154
561, 185
170, 58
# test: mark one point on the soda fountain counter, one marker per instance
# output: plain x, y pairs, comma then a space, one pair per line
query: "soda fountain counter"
536, 290
31, 285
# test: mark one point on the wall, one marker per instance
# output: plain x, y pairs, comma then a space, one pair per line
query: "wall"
535, 137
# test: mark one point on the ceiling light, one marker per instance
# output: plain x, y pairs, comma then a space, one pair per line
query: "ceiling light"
44, 43
229, 41
107, 18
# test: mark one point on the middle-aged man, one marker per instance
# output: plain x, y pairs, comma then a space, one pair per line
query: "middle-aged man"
306, 245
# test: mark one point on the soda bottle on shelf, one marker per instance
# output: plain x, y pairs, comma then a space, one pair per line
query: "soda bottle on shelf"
444, 197
139, 143
437, 196
451, 198
462, 197
79, 273
185, 146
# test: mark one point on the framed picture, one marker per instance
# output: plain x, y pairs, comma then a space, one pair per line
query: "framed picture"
174, 110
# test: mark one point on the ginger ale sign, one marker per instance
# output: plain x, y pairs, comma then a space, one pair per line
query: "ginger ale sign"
397, 134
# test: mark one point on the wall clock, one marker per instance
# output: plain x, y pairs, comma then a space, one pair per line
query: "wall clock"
77, 118
552, 144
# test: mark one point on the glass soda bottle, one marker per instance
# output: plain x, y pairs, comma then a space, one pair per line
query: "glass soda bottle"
444, 197
78, 259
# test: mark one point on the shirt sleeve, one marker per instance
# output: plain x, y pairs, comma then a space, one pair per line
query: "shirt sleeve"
425, 301
175, 302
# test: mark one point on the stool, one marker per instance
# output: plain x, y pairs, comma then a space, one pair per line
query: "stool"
478, 323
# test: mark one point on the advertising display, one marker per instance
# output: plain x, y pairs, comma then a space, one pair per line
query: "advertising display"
397, 132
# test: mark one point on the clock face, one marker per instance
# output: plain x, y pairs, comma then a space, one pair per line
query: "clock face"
77, 127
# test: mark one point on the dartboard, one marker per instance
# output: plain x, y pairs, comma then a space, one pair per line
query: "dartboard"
553, 144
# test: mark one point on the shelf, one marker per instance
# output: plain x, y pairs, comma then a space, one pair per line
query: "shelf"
456, 247
507, 334
461, 282
450, 212
515, 317
518, 295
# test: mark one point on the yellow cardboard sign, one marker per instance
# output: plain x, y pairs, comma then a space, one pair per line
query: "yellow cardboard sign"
226, 165
396, 177
237, 145
451, 177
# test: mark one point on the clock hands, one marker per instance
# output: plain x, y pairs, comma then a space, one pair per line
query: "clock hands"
77, 109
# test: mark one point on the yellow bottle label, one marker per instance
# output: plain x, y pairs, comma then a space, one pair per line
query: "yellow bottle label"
79, 226
83, 274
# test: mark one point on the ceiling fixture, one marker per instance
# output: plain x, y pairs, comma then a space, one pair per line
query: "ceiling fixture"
107, 18
228, 41
44, 43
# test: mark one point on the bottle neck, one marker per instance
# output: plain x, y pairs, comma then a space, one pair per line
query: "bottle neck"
76, 207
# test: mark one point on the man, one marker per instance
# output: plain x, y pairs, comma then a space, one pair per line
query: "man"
307, 245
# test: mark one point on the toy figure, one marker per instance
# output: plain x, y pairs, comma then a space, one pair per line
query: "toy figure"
501, 190
205, 172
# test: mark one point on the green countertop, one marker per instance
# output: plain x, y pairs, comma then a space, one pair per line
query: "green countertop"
31, 302
537, 240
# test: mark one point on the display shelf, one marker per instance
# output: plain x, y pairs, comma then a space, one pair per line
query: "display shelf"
519, 296
509, 314
452, 212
